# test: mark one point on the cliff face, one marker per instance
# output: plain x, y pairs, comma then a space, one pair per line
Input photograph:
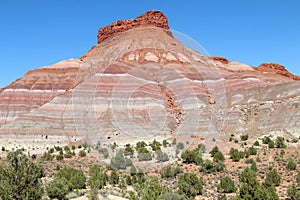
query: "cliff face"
142, 83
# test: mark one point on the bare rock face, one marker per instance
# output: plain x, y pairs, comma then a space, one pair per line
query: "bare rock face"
148, 19
142, 83
277, 69
220, 59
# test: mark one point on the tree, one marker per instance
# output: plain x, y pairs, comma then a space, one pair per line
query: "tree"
21, 178
272, 178
226, 185
190, 185
57, 188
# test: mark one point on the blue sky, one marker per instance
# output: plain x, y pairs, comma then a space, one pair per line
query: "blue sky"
35, 33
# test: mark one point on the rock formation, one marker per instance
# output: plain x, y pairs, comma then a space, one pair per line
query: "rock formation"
139, 82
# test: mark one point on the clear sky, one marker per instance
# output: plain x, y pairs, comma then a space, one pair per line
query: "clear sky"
35, 33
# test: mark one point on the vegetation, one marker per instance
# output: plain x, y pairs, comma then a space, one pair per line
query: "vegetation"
21, 178
190, 185
291, 165
169, 172
226, 185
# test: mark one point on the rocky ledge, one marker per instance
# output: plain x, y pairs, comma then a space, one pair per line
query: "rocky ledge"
277, 69
149, 19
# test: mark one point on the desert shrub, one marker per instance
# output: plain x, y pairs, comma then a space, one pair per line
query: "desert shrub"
244, 137
59, 157
144, 156
291, 165
190, 185
252, 151
219, 157
150, 189
114, 177
192, 156
293, 193
236, 155
226, 185
214, 151
104, 152
20, 178
256, 143
57, 188
253, 167
47, 156
140, 145
155, 145
161, 156
180, 145
210, 167
169, 172
82, 153
98, 177
272, 178
128, 151
279, 143
75, 177
118, 161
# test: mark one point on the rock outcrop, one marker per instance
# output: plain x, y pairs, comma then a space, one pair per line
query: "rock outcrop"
277, 69
149, 19
143, 83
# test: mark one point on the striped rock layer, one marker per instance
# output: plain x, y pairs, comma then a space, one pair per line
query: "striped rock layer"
140, 83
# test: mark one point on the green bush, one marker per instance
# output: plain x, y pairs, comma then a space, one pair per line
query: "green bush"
58, 188
128, 151
118, 161
180, 145
192, 156
256, 143
226, 185
272, 179
114, 177
74, 177
169, 172
236, 155
279, 143
293, 193
211, 167
98, 178
291, 165
190, 185
82, 153
219, 157
161, 156
20, 178
244, 137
